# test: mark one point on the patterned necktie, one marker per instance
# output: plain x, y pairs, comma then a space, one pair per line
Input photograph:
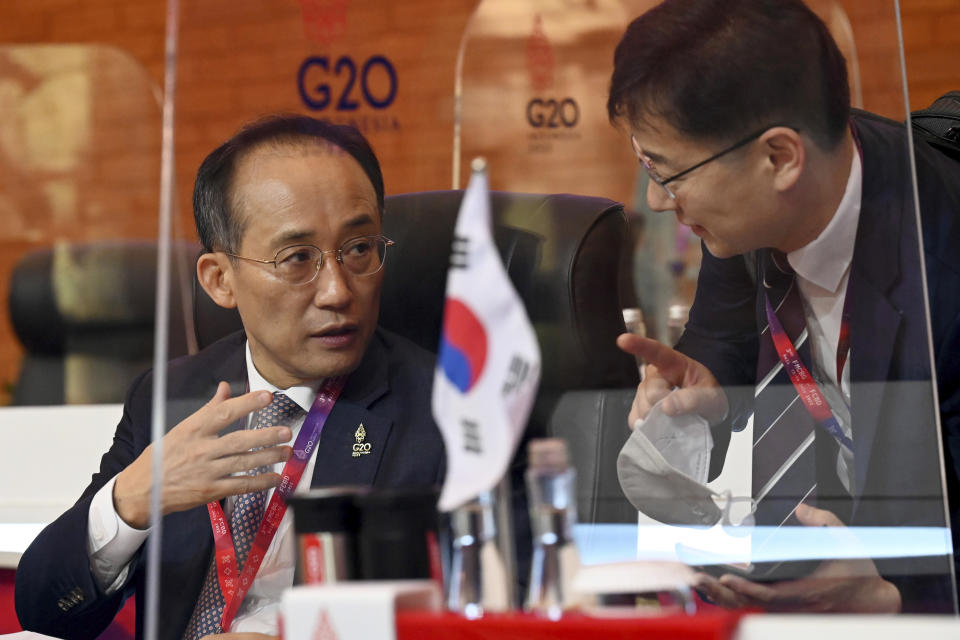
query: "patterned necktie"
784, 462
244, 522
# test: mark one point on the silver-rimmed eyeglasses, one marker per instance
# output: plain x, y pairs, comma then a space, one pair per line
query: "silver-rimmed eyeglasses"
300, 264
651, 168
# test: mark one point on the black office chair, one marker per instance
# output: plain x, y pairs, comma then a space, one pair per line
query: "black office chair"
569, 258
84, 314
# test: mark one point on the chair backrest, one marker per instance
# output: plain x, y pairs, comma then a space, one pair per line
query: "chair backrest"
84, 314
594, 424
569, 258
564, 255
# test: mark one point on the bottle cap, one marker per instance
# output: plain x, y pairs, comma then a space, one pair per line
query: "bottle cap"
548, 454
633, 321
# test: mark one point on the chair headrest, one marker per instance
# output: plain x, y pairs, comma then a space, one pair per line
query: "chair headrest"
95, 287
564, 255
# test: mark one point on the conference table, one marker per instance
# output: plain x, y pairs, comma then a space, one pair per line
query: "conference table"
82, 433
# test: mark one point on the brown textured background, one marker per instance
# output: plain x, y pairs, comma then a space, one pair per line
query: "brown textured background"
234, 66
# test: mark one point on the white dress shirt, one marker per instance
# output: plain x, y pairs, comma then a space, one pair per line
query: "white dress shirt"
822, 272
111, 543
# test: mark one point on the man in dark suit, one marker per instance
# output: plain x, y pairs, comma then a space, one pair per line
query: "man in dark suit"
739, 112
289, 212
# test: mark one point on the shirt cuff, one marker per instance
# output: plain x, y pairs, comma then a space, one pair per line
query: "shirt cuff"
111, 542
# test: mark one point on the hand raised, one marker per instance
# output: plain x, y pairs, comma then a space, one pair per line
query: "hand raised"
684, 385
198, 464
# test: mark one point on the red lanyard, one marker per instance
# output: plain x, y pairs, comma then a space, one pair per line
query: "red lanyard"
234, 587
803, 382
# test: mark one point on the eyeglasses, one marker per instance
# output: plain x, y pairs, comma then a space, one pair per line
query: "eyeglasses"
300, 264
651, 169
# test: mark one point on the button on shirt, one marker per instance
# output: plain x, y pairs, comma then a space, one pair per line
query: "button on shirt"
822, 272
112, 544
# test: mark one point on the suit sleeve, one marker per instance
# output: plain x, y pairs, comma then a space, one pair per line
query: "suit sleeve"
721, 334
56, 593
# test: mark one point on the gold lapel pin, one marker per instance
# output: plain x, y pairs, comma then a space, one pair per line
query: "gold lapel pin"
361, 448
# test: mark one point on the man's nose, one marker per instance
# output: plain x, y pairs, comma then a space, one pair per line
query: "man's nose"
333, 285
658, 199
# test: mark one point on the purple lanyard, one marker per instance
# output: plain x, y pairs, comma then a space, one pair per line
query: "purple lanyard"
235, 590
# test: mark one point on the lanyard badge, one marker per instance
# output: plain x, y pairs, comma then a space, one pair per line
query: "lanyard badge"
234, 583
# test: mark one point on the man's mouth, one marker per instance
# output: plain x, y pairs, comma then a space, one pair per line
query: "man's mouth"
337, 335
697, 229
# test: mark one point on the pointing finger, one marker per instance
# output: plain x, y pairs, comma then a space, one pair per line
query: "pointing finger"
671, 364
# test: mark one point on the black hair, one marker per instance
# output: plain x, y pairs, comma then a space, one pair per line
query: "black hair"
716, 70
218, 227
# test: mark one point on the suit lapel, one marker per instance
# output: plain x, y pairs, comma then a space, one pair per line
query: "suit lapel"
347, 454
875, 323
233, 369
882, 235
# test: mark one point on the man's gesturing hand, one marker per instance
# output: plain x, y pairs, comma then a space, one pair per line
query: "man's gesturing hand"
198, 464
684, 385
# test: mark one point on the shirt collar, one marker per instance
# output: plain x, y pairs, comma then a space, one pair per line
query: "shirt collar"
302, 395
825, 261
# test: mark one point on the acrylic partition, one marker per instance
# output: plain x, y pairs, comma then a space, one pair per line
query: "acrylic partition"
531, 77
526, 89
876, 464
388, 73
79, 168
79, 185
530, 85
591, 244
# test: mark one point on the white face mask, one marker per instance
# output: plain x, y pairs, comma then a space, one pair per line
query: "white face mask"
663, 469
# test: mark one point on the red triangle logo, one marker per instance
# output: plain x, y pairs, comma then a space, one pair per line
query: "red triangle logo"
324, 629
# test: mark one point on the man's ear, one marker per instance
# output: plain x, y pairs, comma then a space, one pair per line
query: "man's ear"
786, 154
216, 273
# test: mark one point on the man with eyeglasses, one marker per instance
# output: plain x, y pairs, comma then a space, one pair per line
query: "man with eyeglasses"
289, 212
739, 112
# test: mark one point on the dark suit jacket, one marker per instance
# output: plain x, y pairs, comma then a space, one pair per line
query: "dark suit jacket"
389, 393
896, 447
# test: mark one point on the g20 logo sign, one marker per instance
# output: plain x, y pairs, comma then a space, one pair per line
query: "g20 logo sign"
552, 113
361, 449
364, 84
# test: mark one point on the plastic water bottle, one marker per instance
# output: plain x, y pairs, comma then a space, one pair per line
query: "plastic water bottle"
478, 577
551, 485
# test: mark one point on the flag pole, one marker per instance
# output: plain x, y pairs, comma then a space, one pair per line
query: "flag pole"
505, 537
485, 382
